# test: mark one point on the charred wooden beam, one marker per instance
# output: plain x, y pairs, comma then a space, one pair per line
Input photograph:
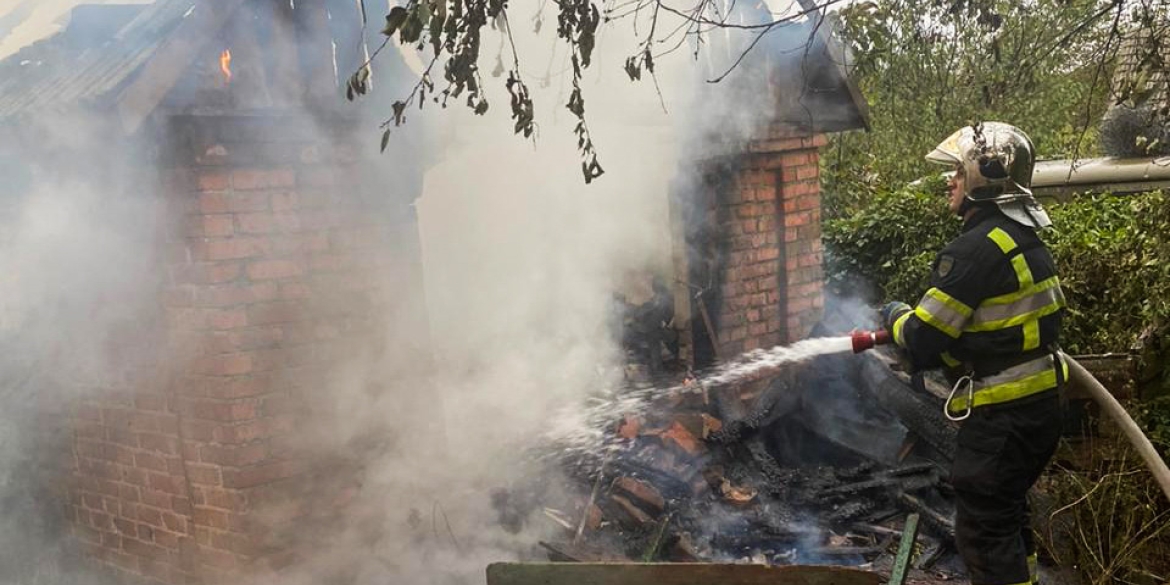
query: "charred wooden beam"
945, 523
922, 414
578, 553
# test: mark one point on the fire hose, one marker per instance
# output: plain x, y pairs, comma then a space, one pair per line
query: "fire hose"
863, 340
1129, 428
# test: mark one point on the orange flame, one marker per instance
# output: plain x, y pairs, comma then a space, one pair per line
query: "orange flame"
225, 64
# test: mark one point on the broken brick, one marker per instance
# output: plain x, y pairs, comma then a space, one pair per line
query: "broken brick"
628, 429
643, 492
711, 425
680, 436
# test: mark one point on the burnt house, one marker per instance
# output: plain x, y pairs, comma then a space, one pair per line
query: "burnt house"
277, 243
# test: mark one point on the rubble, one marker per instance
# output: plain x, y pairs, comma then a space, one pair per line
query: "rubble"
749, 475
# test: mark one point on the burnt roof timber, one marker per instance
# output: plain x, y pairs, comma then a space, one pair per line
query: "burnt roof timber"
47, 75
136, 102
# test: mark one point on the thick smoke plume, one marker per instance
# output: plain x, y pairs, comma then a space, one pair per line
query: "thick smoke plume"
521, 263
78, 317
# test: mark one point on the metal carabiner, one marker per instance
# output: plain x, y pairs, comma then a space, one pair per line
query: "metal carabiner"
970, 399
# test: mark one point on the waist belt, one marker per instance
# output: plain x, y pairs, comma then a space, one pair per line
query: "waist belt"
1019, 381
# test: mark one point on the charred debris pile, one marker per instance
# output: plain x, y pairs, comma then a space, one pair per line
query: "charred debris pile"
819, 464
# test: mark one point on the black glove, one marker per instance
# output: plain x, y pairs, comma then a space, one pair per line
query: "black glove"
890, 313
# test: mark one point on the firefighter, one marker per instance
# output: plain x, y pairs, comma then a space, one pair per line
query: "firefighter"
992, 319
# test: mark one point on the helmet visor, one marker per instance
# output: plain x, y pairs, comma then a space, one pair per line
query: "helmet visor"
948, 151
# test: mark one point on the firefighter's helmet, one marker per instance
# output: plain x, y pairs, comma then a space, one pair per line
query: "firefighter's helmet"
997, 161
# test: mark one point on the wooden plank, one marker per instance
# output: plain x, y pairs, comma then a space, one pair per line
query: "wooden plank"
672, 574
905, 551
172, 61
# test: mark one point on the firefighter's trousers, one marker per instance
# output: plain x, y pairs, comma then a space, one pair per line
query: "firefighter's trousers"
1002, 450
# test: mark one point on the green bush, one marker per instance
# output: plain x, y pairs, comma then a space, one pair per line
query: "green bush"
885, 249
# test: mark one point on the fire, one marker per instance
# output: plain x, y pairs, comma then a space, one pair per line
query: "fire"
225, 64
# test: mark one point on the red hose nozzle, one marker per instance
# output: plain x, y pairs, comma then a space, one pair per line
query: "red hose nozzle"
863, 340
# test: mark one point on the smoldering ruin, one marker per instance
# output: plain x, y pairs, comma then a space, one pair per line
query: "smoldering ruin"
245, 345
810, 468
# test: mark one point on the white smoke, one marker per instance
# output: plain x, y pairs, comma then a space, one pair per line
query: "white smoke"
521, 260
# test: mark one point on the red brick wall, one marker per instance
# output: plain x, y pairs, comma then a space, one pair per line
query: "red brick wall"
202, 469
760, 245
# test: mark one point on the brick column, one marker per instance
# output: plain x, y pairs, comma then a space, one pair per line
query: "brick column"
753, 229
800, 191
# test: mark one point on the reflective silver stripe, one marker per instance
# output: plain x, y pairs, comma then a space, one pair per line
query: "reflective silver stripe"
943, 311
1034, 302
1016, 372
1016, 382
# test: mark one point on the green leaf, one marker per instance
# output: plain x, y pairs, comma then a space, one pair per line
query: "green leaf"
394, 20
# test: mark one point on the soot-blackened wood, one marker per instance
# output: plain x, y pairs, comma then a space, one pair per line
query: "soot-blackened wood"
171, 61
564, 552
921, 414
672, 574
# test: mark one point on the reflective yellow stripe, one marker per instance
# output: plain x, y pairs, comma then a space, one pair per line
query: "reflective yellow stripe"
899, 323
1022, 308
1032, 334
1043, 285
1023, 274
943, 311
949, 359
1034, 568
1006, 391
950, 302
1002, 239
1016, 320
1040, 297
935, 322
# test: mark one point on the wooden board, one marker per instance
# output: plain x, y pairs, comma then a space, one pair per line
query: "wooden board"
673, 574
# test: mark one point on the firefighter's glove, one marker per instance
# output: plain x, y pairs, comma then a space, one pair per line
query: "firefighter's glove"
890, 313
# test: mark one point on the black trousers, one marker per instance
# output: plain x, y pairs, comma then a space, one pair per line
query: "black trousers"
1002, 450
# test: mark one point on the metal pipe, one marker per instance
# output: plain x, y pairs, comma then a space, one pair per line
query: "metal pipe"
1129, 428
